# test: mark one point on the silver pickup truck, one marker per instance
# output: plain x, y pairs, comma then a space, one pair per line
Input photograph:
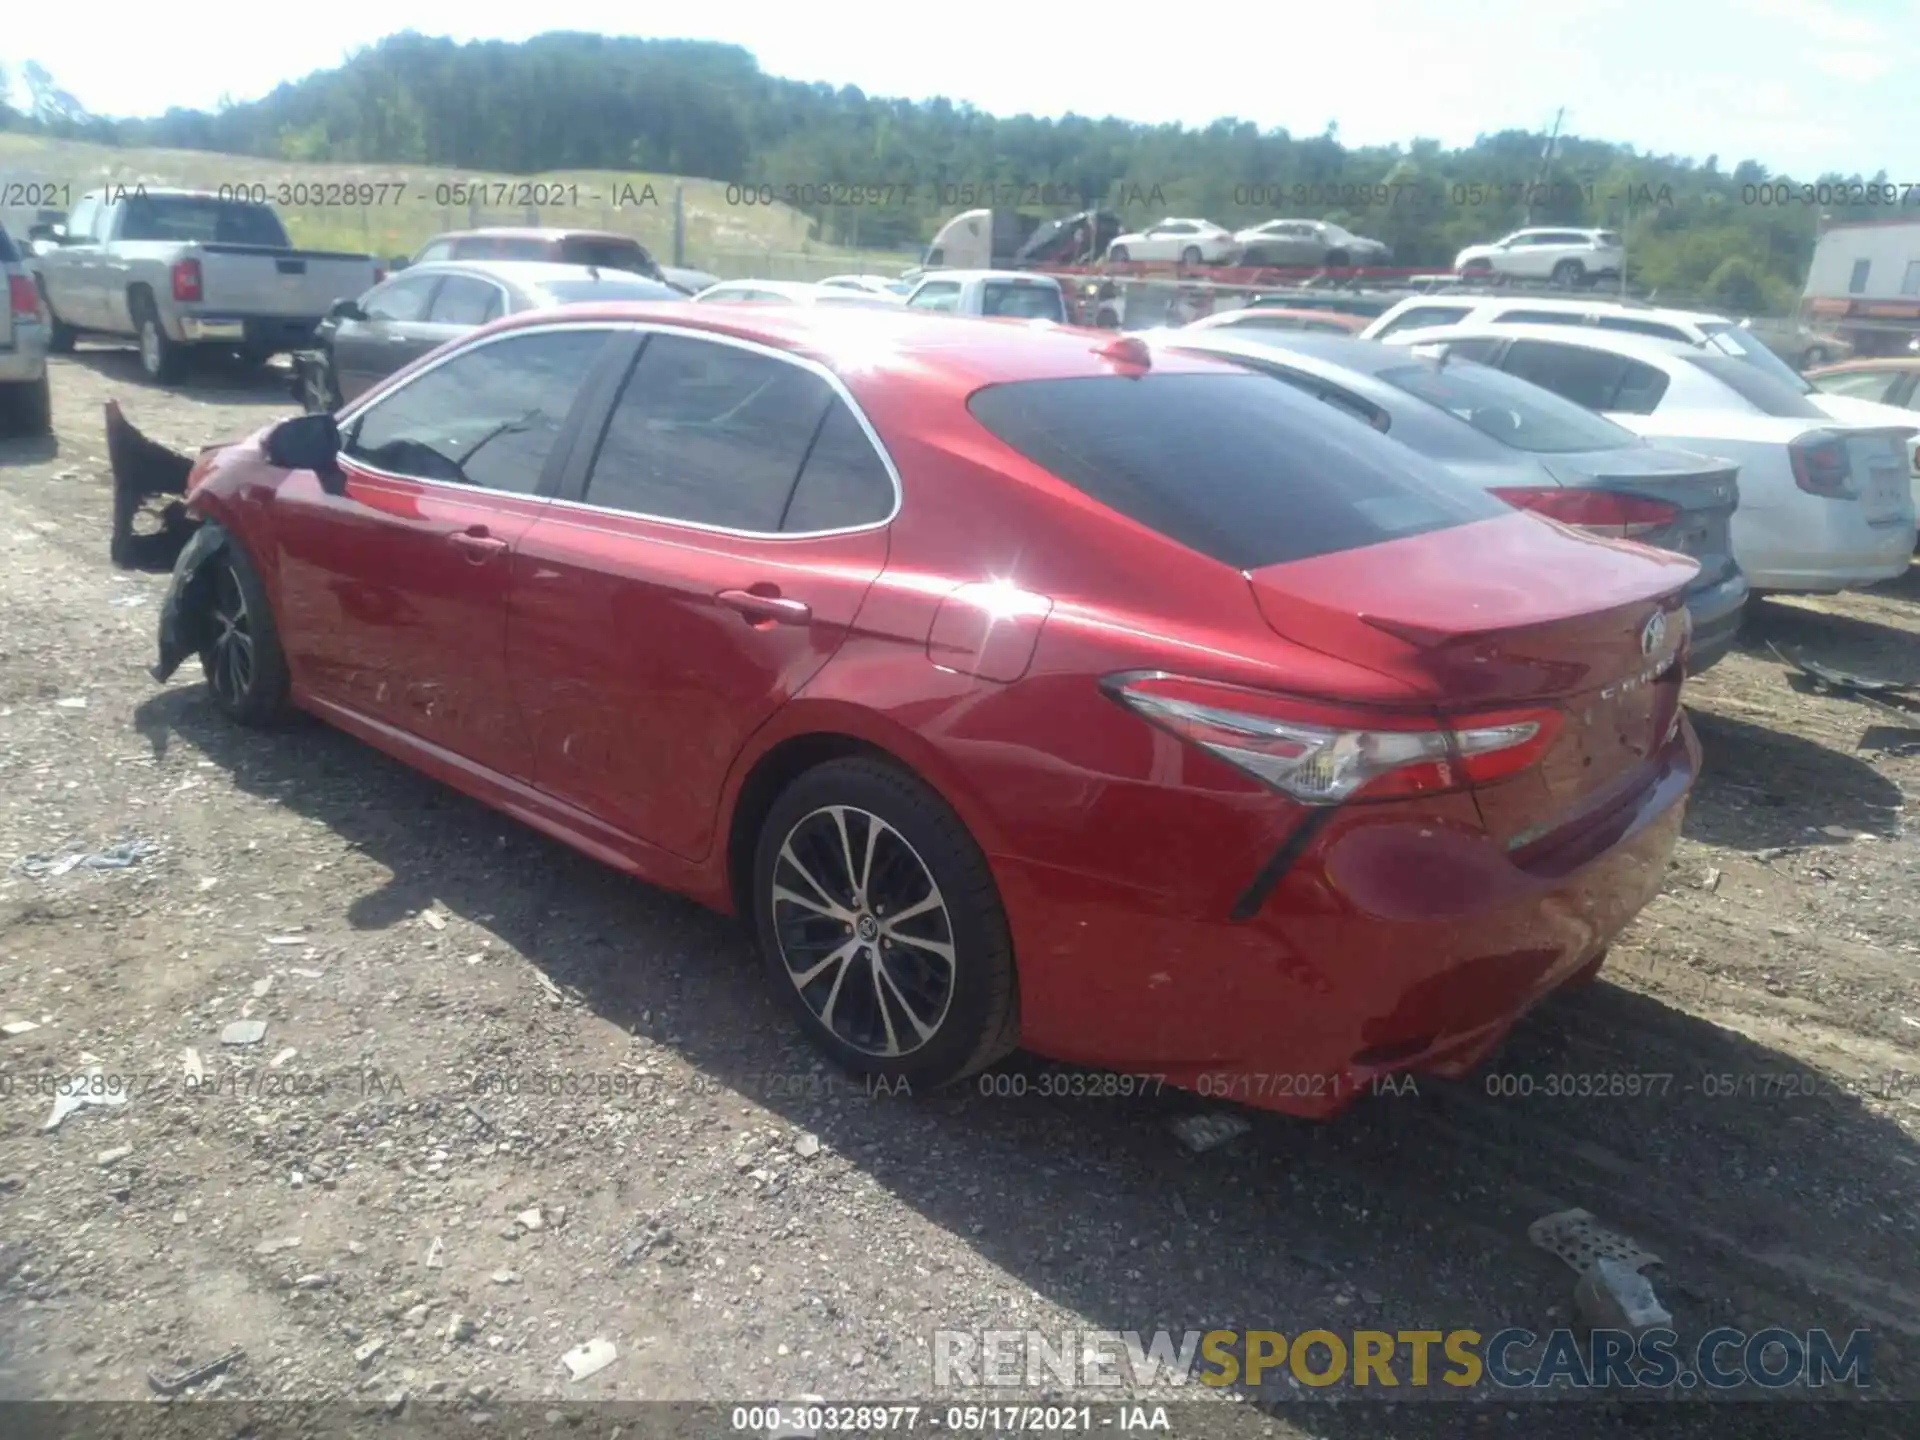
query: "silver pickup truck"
175, 269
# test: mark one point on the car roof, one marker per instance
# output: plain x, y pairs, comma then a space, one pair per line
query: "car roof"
527, 274
1649, 348
888, 341
1340, 318
530, 232
1333, 352
778, 287
965, 275
1591, 307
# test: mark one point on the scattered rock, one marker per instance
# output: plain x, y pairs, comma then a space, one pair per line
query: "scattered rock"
282, 1058
363, 1356
437, 1254
244, 1032
459, 1329
532, 1219
505, 1277
19, 1027
807, 1146
117, 1153
1206, 1132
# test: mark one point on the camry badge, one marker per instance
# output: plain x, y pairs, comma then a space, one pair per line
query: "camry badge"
1654, 637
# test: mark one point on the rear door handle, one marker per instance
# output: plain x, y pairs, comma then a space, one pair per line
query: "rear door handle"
478, 544
766, 607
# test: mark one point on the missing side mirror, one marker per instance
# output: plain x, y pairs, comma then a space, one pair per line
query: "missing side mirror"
309, 442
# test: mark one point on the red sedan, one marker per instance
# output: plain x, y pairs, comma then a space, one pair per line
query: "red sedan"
1018, 686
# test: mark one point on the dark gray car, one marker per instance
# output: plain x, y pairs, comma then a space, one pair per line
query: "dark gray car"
1529, 446
363, 341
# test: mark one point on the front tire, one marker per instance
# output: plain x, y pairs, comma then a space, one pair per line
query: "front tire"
1119, 253
1191, 256
881, 927
245, 666
1814, 358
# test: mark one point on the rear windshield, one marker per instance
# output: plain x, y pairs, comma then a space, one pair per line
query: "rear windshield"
1234, 466
1022, 299
608, 254
1515, 412
1745, 345
1759, 389
610, 287
202, 218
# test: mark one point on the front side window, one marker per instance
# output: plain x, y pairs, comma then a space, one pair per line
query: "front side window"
708, 434
438, 250
1759, 389
1873, 385
402, 301
487, 417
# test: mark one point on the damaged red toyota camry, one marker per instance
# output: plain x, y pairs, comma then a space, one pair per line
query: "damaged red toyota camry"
1019, 687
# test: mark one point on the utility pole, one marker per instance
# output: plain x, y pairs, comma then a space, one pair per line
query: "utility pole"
1546, 161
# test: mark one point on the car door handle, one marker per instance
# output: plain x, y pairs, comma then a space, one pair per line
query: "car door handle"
478, 544
756, 606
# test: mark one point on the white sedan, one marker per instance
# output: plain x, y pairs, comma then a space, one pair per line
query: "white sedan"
1824, 503
1191, 242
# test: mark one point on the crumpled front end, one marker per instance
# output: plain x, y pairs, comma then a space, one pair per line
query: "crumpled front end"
186, 615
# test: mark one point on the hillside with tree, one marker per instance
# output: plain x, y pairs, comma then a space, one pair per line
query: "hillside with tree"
568, 101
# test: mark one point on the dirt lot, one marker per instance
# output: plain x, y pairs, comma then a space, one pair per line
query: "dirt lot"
339, 1199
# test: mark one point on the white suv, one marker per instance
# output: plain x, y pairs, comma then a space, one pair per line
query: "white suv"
1566, 257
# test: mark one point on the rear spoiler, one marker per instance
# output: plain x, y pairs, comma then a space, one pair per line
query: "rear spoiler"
149, 480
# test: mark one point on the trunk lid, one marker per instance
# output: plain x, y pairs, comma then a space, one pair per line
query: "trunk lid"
1705, 490
1510, 613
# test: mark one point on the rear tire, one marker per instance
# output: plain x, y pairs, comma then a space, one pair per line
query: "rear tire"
245, 666
31, 407
849, 843
1569, 274
1338, 260
60, 336
162, 358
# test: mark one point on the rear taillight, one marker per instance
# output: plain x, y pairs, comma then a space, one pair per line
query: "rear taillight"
186, 280
23, 297
1321, 754
1820, 467
1604, 512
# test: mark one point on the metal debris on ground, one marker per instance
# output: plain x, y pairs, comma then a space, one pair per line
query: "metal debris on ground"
113, 1156
174, 1384
434, 919
554, 994
19, 1027
89, 1088
193, 1066
282, 1058
589, 1359
1577, 1238
1615, 1296
1206, 1132
122, 855
807, 1146
437, 1254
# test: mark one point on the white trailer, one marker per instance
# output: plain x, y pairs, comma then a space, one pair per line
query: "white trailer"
1864, 283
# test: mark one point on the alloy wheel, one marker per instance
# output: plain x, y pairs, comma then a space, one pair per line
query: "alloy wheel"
863, 931
231, 669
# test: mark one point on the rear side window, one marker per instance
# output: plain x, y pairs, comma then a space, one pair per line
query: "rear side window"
1758, 388
463, 300
1507, 409
844, 483
1596, 379
1022, 299
438, 250
607, 254
502, 247
1423, 316
708, 434
1542, 317
1627, 325
1235, 467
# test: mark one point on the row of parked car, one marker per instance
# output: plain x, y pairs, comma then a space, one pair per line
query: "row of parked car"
1217, 704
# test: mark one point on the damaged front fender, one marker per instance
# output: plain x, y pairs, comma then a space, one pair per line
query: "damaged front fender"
144, 472
186, 618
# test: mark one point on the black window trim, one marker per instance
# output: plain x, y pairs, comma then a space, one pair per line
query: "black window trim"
557, 458
594, 423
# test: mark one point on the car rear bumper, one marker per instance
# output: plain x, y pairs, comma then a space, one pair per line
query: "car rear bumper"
1716, 612
270, 333
1399, 940
24, 359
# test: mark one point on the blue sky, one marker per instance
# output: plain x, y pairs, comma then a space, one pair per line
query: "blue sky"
1801, 85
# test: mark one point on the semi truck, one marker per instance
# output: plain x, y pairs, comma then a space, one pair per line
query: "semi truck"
1863, 284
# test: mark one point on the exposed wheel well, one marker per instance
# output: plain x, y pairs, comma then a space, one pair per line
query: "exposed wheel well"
775, 770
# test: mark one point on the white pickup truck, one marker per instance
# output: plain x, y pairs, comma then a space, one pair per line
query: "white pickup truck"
1005, 294
175, 269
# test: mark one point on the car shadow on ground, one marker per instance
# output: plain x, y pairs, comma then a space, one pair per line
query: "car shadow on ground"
1769, 1203
27, 450
1762, 788
212, 376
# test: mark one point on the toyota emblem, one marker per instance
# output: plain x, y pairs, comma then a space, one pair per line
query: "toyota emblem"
1654, 637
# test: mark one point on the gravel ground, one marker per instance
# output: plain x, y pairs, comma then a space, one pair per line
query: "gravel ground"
353, 1200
